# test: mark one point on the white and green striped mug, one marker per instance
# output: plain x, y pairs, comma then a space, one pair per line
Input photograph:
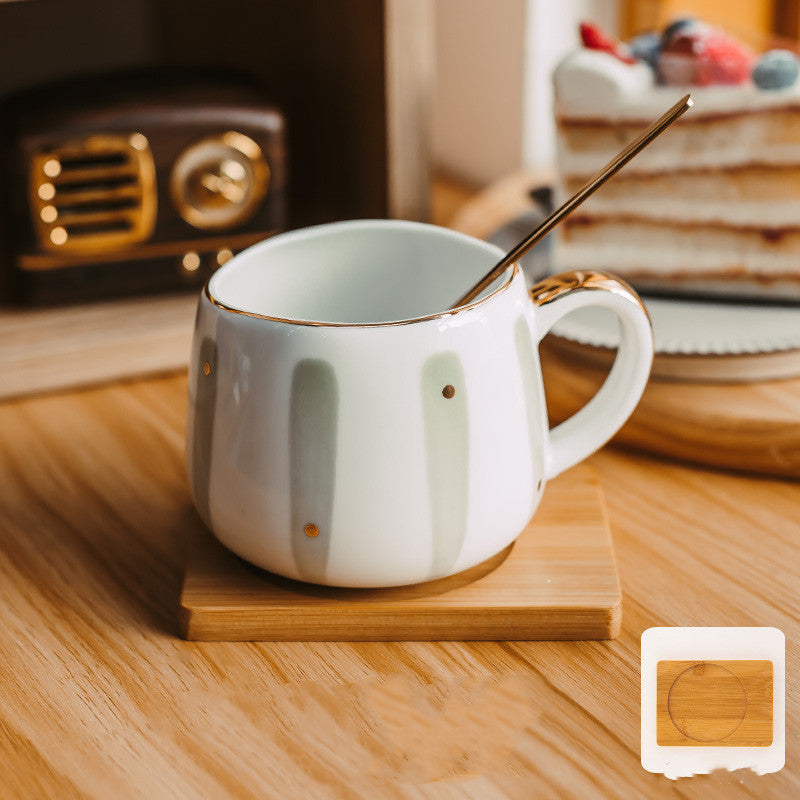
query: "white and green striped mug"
346, 429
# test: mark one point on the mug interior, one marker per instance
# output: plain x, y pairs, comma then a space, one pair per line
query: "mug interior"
365, 272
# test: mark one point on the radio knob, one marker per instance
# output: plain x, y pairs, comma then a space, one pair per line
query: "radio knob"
219, 182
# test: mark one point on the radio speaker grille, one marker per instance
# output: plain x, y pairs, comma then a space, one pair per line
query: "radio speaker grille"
94, 195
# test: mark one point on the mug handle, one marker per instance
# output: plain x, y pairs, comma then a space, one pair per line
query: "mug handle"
590, 428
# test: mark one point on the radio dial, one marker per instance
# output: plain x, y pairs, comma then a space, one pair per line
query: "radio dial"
219, 182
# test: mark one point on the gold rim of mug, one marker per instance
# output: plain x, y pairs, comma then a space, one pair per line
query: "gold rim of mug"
219, 304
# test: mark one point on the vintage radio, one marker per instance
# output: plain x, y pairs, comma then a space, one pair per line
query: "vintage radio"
135, 183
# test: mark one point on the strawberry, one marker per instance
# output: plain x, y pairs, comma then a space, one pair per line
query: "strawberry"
724, 60
704, 56
595, 39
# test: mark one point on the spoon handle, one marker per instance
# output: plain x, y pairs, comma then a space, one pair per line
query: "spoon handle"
550, 222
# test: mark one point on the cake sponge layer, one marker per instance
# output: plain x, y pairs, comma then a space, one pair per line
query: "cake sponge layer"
724, 140
706, 258
755, 196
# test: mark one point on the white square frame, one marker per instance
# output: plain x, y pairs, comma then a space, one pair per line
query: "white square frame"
712, 644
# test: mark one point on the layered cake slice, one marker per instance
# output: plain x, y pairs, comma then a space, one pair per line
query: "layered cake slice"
712, 207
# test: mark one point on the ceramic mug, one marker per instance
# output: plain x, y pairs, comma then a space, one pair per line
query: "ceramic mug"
345, 429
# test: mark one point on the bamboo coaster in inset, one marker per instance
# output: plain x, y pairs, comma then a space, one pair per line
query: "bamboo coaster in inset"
713, 698
714, 703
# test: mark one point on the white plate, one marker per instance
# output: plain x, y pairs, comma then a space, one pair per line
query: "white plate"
701, 340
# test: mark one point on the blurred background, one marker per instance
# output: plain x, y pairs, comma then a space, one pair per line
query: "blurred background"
483, 68
144, 143
492, 95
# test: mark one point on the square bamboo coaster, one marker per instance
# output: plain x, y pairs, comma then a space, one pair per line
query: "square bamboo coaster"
557, 581
714, 703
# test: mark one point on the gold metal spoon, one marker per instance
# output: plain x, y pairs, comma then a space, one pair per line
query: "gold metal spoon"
550, 222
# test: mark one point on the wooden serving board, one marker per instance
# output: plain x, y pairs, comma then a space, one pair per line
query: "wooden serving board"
751, 427
557, 581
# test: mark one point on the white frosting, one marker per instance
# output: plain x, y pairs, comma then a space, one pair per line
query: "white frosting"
593, 84
597, 82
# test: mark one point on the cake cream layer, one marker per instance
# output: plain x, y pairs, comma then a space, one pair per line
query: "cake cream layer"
755, 196
594, 85
733, 140
677, 253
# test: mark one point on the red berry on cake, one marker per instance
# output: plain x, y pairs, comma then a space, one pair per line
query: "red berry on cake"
699, 55
724, 61
594, 38
714, 206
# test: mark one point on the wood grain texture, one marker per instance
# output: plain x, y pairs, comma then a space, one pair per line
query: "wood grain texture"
100, 698
740, 368
557, 581
749, 427
714, 704
56, 348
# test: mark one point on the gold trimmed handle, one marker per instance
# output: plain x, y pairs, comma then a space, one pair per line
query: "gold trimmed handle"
551, 288
592, 426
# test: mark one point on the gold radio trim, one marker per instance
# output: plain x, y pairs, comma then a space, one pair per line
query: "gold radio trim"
70, 184
243, 192
225, 246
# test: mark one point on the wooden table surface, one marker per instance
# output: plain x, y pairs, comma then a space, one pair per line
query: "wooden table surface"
101, 699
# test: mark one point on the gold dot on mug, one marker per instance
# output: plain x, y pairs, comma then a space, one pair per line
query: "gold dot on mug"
206, 368
448, 391
311, 530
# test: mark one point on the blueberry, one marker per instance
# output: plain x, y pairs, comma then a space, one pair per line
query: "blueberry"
675, 26
776, 69
645, 47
